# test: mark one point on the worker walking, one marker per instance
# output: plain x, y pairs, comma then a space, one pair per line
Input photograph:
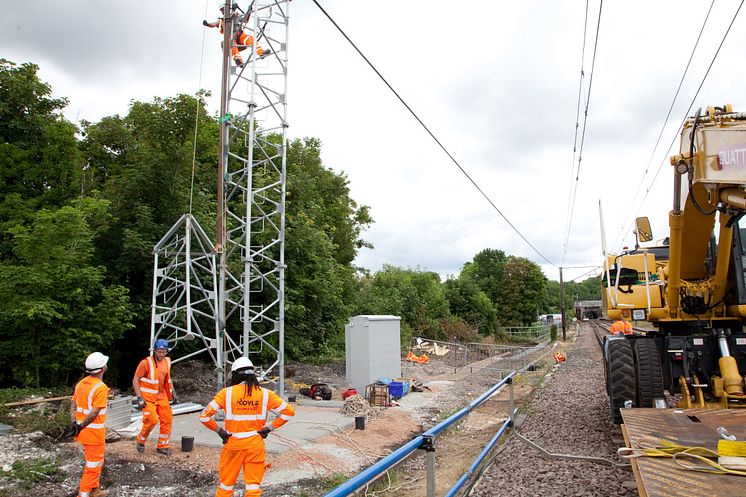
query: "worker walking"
241, 40
88, 415
155, 390
245, 404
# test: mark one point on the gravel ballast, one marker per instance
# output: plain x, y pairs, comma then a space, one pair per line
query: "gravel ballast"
569, 414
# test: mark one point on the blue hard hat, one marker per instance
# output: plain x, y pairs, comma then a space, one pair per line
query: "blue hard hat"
161, 343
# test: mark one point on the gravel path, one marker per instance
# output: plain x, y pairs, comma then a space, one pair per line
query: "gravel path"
570, 415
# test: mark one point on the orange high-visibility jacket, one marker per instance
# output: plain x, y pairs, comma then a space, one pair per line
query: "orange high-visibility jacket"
91, 392
246, 414
149, 382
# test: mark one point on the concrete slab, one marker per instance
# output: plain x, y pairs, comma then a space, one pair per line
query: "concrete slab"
308, 424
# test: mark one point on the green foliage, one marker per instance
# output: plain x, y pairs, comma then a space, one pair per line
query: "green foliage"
467, 301
412, 294
553, 333
57, 307
522, 292
37, 470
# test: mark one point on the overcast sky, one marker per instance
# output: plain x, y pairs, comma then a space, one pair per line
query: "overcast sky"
496, 82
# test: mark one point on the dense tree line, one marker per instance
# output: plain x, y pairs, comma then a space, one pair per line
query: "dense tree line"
82, 208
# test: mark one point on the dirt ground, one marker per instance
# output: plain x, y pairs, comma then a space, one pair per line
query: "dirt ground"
306, 471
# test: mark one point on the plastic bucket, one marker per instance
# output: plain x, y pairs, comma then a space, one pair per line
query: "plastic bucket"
187, 444
359, 422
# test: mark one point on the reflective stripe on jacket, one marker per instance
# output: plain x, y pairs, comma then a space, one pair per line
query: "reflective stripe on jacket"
91, 392
246, 414
149, 381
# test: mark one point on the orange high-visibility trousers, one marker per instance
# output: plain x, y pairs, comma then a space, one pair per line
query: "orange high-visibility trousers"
151, 414
94, 463
231, 461
246, 40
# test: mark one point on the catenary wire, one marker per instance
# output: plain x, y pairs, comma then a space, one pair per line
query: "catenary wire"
622, 233
582, 135
577, 125
479, 189
691, 104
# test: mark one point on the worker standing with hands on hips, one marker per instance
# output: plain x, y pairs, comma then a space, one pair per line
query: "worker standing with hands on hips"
88, 415
240, 40
154, 390
245, 404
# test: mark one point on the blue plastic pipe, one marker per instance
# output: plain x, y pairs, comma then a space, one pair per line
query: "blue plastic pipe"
372, 471
487, 448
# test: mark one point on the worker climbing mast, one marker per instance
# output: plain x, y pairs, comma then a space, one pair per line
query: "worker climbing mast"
251, 184
232, 298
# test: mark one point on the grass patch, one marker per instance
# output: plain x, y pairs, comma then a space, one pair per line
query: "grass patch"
36, 470
333, 481
52, 418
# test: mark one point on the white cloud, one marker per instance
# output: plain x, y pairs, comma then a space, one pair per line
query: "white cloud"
496, 82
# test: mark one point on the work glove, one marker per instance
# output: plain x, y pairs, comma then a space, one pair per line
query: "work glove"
174, 399
141, 403
205, 23
224, 435
264, 431
75, 429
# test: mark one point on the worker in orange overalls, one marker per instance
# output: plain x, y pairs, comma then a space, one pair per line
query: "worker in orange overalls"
155, 390
245, 404
240, 40
88, 415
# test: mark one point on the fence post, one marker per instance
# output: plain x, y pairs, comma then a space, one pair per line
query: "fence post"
429, 447
512, 399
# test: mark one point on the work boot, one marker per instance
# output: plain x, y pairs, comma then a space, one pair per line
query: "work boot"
265, 53
97, 492
140, 447
238, 61
164, 452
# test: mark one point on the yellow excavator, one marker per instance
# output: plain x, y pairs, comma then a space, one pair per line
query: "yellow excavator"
690, 288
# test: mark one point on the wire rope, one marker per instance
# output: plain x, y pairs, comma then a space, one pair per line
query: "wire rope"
424, 126
196, 116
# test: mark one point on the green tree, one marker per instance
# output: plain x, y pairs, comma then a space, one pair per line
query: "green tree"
412, 294
324, 225
57, 306
467, 301
486, 270
39, 159
522, 292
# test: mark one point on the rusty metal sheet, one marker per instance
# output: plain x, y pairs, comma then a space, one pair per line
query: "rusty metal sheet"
660, 476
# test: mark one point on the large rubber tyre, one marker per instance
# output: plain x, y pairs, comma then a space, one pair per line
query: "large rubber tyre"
648, 372
621, 376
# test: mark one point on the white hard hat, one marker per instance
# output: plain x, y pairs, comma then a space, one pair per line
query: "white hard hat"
242, 363
95, 362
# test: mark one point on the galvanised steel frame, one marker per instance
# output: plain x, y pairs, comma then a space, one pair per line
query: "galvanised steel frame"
185, 302
250, 235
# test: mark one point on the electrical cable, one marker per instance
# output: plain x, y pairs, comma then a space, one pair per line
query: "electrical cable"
663, 128
691, 104
424, 126
582, 135
577, 125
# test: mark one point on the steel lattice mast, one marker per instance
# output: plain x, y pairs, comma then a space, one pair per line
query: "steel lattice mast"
249, 273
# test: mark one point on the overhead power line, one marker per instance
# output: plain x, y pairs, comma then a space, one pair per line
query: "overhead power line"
582, 135
691, 104
623, 234
570, 197
432, 135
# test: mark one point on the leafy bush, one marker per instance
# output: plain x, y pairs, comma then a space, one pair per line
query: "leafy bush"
553, 332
